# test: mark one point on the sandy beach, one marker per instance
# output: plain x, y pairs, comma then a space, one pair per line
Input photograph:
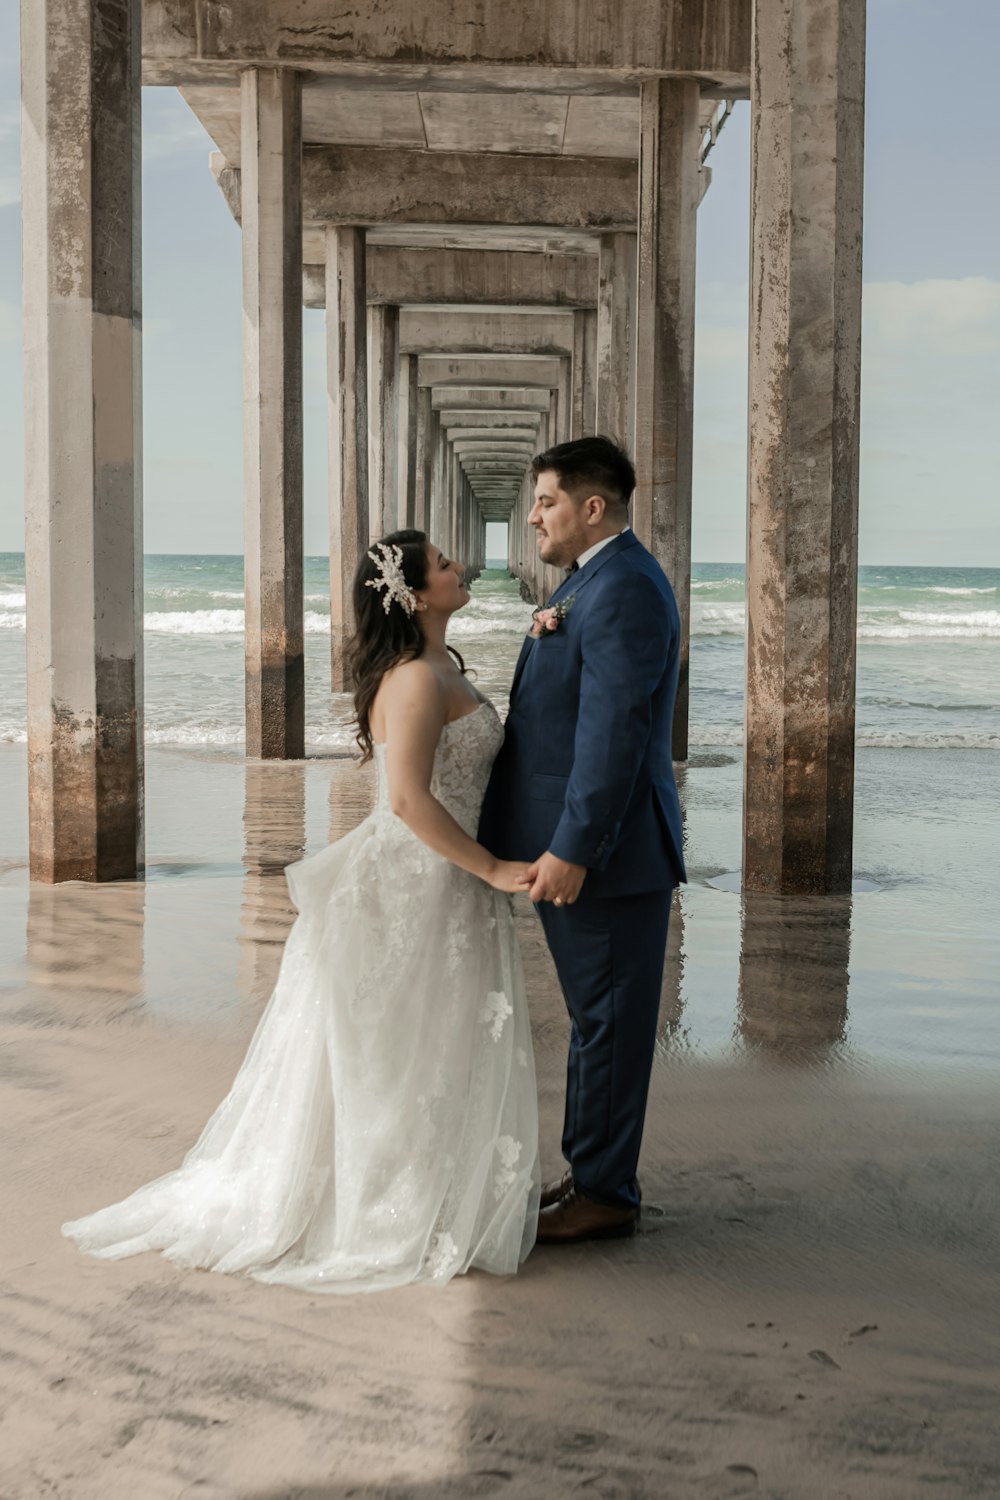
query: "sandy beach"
811, 1308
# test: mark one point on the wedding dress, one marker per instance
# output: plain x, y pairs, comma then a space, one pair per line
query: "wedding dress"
382, 1128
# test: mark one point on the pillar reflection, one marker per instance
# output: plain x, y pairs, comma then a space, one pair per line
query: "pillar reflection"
84, 949
670, 1034
794, 974
352, 795
274, 835
669, 1030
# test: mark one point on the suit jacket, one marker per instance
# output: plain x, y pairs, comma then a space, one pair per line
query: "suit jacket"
585, 769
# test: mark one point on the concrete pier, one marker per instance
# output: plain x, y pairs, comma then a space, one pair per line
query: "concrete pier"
616, 312
525, 273
347, 398
83, 418
805, 359
271, 146
664, 387
383, 417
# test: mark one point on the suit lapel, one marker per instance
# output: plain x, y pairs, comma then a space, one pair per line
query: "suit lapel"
569, 586
525, 653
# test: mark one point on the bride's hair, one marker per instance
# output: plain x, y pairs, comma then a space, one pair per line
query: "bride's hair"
382, 637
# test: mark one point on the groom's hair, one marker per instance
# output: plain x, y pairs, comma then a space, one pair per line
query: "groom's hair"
590, 466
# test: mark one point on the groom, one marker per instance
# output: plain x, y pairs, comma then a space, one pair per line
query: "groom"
583, 788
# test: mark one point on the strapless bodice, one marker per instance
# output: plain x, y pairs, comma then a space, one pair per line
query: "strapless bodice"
462, 763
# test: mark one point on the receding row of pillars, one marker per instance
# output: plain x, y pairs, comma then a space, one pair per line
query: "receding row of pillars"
82, 299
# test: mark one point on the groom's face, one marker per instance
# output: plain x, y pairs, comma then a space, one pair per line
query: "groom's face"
559, 521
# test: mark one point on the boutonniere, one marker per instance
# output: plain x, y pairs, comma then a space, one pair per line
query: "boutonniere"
545, 621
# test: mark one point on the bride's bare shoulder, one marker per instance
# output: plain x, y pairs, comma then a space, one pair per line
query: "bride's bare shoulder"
409, 683
412, 676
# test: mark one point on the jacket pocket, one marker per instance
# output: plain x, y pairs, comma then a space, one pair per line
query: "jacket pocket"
548, 788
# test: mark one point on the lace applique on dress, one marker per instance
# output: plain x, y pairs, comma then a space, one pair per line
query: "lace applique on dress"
494, 1012
509, 1152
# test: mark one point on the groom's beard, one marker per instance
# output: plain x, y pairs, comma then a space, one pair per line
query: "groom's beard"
558, 554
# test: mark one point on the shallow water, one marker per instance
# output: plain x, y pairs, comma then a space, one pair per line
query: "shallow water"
928, 653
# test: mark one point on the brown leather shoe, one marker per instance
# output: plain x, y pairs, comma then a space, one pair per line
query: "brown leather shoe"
553, 1191
576, 1218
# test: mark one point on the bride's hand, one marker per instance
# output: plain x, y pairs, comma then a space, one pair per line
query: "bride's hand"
509, 875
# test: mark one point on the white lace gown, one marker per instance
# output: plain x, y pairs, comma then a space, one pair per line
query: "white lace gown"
382, 1128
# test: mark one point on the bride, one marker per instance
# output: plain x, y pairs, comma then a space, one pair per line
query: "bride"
382, 1128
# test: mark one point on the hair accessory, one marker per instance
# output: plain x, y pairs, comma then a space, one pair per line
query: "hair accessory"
390, 567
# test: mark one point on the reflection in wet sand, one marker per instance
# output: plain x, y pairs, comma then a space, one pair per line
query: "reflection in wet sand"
274, 835
84, 948
794, 974
352, 793
669, 1028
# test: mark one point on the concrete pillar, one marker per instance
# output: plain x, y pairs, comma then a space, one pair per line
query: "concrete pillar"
438, 505
383, 395
805, 349
616, 312
455, 528
664, 387
579, 368
564, 402
271, 147
406, 448
589, 322
83, 422
423, 456
347, 396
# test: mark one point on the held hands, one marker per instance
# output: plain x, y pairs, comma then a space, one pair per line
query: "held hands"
556, 880
509, 876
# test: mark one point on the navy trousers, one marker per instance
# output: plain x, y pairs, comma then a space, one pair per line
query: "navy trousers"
609, 957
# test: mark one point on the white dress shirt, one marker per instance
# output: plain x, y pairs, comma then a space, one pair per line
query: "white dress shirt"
585, 557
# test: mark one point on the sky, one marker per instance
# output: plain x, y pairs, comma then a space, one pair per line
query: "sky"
930, 432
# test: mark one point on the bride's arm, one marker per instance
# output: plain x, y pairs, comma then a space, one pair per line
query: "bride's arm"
415, 709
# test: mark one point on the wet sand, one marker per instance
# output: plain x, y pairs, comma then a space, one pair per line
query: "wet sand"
812, 1308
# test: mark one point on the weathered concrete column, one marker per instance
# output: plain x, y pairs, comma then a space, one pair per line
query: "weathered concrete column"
437, 508
347, 397
455, 505
383, 396
805, 357
616, 311
83, 421
271, 147
422, 457
564, 402
664, 386
406, 447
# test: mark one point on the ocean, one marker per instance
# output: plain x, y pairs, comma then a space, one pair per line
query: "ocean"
928, 653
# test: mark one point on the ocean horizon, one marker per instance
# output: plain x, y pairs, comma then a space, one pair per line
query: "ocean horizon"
928, 652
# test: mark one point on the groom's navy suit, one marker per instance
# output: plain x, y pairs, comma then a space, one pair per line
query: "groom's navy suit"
585, 772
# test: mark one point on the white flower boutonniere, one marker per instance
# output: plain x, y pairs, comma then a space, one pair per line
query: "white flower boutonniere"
545, 621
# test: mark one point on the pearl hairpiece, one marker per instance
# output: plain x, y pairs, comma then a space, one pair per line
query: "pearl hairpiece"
389, 561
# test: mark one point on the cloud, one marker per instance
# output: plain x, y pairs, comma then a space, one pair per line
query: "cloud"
169, 128
10, 165
930, 391
935, 317
10, 323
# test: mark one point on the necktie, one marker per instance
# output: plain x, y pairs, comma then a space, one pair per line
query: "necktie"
573, 568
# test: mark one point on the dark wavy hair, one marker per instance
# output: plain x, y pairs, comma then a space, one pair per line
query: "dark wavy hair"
590, 466
383, 638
